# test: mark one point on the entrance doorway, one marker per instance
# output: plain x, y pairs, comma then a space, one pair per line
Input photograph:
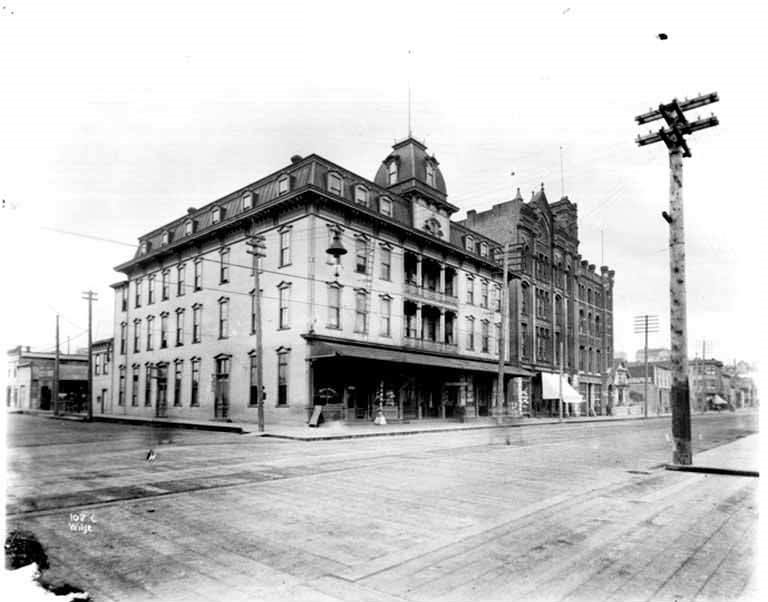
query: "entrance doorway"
221, 399
45, 397
161, 407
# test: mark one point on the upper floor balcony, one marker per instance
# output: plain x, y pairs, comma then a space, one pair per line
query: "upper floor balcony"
430, 280
429, 328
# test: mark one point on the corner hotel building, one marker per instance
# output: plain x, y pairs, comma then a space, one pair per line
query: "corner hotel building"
409, 318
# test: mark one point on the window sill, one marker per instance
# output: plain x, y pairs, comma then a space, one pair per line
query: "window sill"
283, 327
223, 281
329, 327
222, 338
285, 265
179, 344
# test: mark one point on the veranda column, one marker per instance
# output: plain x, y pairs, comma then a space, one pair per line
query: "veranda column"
419, 282
419, 334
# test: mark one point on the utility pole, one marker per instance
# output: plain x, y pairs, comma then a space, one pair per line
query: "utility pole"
504, 327
510, 271
560, 380
646, 324
257, 249
90, 296
673, 135
56, 372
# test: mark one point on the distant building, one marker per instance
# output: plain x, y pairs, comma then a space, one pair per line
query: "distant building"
620, 355
744, 393
659, 386
102, 375
31, 375
705, 377
659, 354
619, 379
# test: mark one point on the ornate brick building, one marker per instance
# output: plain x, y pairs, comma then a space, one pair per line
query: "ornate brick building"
560, 304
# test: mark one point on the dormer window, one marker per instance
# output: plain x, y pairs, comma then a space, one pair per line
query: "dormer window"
469, 244
144, 248
392, 172
189, 227
430, 175
166, 237
247, 200
216, 215
335, 183
361, 195
483, 249
283, 184
385, 206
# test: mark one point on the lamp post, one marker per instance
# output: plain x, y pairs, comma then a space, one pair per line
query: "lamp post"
336, 250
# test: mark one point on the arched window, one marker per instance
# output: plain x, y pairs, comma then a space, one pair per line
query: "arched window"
430, 174
361, 195
335, 183
392, 172
283, 184
385, 206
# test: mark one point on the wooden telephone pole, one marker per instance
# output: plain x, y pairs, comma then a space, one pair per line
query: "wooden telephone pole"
257, 249
56, 372
510, 270
646, 324
673, 136
90, 296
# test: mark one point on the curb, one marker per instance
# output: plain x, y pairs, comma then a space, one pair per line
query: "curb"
455, 429
734, 472
213, 426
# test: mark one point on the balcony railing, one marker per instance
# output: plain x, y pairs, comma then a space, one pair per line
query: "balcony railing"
427, 294
427, 345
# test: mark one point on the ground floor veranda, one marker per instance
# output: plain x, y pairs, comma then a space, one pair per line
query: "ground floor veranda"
356, 382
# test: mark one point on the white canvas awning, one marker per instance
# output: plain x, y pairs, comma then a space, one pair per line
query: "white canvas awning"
719, 401
550, 389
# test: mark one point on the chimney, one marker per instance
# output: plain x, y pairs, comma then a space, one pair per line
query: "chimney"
471, 215
191, 210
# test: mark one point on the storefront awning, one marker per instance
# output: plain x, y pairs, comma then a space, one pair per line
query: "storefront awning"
719, 401
325, 349
550, 388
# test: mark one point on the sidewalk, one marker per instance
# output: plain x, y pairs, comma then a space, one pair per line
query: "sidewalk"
740, 458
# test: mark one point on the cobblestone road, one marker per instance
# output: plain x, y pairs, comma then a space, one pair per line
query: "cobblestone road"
571, 512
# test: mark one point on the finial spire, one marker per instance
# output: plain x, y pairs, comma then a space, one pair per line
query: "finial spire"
410, 52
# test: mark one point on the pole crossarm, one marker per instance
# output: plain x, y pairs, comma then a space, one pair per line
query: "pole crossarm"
685, 105
678, 125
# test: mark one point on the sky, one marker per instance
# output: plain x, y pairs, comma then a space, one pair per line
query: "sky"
117, 116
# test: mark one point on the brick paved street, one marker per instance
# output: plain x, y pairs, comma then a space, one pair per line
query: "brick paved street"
558, 512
